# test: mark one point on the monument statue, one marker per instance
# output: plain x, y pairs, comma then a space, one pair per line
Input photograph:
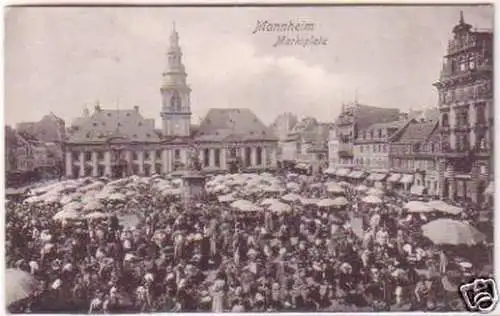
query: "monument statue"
194, 163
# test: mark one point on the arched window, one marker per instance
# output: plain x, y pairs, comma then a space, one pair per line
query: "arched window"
175, 101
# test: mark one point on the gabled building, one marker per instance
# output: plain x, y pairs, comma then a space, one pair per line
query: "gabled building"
413, 157
354, 119
306, 145
371, 149
117, 143
50, 129
465, 90
235, 139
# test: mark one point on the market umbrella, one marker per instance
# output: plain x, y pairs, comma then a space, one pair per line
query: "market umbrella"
306, 201
418, 207
245, 206
93, 205
341, 201
279, 207
334, 188
371, 199
268, 201
375, 192
326, 203
444, 207
291, 197
274, 188
18, 285
96, 215
117, 197
292, 186
67, 214
226, 198
173, 191
362, 188
452, 232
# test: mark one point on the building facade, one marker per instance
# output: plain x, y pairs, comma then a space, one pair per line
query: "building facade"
371, 148
355, 119
333, 149
414, 157
117, 143
465, 90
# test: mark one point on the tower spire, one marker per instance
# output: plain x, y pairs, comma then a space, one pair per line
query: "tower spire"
176, 109
462, 21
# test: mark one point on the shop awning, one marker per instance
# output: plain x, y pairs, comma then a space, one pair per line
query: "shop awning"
329, 171
376, 176
406, 178
343, 172
302, 165
394, 177
418, 190
356, 174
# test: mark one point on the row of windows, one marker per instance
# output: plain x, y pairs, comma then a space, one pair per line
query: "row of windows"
466, 93
87, 155
462, 117
430, 147
373, 162
372, 134
376, 148
101, 170
429, 165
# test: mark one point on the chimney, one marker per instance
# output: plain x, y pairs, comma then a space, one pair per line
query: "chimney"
136, 108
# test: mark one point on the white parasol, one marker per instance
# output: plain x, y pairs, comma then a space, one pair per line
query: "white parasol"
291, 197
245, 206
371, 199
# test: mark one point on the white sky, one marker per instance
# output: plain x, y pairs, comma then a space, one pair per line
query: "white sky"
61, 59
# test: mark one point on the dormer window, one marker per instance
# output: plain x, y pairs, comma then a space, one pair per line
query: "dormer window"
134, 136
148, 135
140, 124
109, 114
94, 124
128, 114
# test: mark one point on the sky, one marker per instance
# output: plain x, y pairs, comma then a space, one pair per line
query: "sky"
63, 59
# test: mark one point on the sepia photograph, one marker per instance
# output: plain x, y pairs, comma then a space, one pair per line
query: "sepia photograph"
249, 158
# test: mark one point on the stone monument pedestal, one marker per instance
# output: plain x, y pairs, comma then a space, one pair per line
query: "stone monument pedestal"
194, 187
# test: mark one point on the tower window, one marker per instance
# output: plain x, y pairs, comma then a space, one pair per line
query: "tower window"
175, 101
177, 154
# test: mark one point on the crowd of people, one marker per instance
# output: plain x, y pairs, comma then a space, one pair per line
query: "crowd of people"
207, 257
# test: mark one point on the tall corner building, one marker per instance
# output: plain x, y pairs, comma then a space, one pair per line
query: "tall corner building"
465, 90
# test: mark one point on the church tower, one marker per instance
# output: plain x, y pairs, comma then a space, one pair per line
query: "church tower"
175, 93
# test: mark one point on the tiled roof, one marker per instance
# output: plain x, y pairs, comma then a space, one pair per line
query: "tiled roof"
395, 124
49, 129
369, 115
416, 132
365, 115
105, 124
232, 125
